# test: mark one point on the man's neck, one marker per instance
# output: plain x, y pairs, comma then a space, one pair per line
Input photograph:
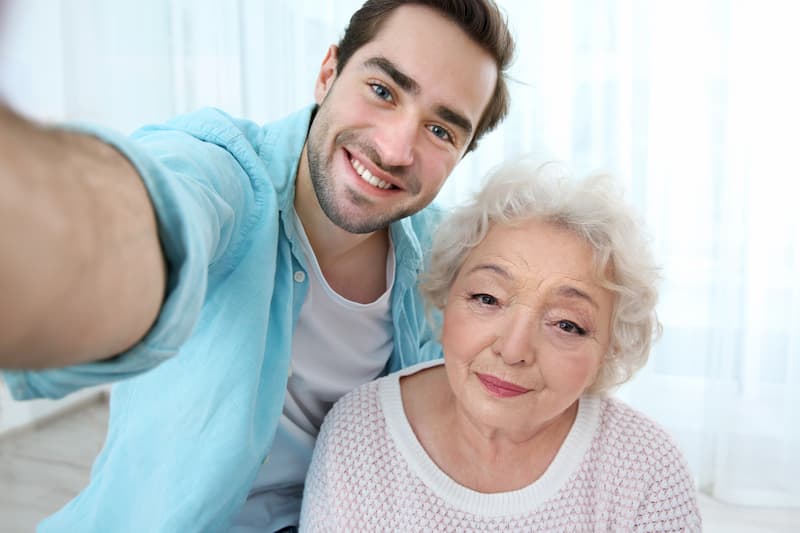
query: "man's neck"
354, 265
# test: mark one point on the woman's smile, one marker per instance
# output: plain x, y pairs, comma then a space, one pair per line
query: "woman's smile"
500, 388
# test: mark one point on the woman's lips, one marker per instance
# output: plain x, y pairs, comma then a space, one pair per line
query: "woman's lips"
501, 388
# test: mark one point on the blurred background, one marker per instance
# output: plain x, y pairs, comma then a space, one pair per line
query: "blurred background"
693, 105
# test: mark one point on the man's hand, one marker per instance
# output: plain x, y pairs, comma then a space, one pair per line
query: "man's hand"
82, 275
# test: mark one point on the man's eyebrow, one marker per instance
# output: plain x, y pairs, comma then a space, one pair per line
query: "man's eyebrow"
402, 80
455, 118
567, 291
408, 84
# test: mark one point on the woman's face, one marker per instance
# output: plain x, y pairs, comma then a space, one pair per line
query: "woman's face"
526, 326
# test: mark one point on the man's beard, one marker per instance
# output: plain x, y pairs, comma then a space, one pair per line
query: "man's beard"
319, 167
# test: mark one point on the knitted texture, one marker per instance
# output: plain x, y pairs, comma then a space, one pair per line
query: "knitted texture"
631, 478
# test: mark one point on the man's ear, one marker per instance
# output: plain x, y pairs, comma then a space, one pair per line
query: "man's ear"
327, 73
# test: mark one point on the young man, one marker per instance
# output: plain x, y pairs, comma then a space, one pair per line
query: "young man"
282, 273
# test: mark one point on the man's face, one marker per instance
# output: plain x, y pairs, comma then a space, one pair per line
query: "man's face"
394, 123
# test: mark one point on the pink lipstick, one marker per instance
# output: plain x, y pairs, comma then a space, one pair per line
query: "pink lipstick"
500, 388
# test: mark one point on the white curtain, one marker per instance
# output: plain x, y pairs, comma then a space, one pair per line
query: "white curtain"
693, 104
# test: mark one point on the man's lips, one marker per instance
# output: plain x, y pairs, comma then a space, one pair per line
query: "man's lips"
371, 174
367, 176
499, 387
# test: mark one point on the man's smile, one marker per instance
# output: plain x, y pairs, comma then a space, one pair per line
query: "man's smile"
367, 176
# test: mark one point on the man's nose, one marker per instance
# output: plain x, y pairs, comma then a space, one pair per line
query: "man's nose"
396, 140
515, 341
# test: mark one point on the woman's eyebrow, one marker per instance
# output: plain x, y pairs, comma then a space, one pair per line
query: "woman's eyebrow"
497, 269
568, 291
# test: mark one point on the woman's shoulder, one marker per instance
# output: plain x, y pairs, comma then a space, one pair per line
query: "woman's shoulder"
621, 419
628, 435
364, 405
644, 463
360, 404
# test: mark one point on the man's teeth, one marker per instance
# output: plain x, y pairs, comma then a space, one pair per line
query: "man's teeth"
367, 176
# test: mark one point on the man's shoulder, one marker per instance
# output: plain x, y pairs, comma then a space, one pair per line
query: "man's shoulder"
211, 140
425, 221
214, 125
420, 227
208, 124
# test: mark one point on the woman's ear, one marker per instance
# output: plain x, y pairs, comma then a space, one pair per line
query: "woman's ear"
327, 73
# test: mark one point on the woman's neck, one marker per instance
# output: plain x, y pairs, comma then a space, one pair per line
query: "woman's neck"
487, 460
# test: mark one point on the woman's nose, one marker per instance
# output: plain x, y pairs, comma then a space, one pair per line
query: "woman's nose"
515, 340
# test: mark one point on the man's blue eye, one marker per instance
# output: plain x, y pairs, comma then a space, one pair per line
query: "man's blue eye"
440, 132
381, 91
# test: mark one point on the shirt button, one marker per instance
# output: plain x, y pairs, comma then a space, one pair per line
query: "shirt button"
299, 276
266, 459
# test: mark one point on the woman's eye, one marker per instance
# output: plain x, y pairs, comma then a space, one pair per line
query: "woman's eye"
485, 299
570, 327
440, 132
381, 91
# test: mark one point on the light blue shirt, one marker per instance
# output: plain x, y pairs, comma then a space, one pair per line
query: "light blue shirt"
186, 439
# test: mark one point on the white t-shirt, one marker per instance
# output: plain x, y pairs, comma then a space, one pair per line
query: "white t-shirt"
337, 345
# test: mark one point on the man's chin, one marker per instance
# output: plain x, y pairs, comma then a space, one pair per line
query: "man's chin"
361, 227
360, 223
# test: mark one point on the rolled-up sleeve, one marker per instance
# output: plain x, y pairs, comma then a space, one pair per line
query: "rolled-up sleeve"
203, 198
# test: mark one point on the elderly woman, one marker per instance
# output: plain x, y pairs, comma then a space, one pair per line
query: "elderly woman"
547, 290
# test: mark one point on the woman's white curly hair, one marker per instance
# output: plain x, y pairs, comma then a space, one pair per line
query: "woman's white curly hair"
594, 210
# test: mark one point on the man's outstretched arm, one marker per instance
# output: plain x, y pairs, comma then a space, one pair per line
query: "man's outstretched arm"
82, 274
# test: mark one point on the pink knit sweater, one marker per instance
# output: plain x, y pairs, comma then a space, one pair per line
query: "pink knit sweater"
616, 471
